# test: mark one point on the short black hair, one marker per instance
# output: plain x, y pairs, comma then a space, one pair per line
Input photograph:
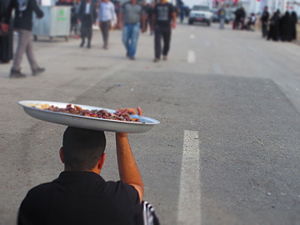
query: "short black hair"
82, 148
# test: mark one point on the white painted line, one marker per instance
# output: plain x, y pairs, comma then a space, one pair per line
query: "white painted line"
191, 57
189, 203
192, 36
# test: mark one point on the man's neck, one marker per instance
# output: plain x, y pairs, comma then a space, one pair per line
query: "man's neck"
94, 170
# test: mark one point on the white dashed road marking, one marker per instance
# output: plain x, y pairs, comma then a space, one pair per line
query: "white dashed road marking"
189, 204
191, 57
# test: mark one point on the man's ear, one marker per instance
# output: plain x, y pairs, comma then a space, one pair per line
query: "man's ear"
101, 161
61, 155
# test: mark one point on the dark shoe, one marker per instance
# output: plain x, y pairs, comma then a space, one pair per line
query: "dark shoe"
131, 57
156, 60
38, 71
82, 44
16, 74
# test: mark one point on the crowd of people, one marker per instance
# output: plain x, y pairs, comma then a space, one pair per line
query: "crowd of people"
131, 17
279, 27
242, 22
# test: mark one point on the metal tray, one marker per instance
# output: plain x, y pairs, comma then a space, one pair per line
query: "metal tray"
144, 125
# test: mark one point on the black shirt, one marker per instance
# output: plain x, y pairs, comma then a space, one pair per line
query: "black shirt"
23, 18
82, 198
163, 14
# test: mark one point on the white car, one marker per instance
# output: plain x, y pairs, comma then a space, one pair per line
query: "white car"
201, 14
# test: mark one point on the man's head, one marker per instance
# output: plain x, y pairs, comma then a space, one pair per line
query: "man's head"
83, 150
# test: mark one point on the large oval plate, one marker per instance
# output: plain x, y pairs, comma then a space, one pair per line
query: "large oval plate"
93, 123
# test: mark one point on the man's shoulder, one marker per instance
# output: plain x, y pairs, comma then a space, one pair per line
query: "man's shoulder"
42, 188
119, 188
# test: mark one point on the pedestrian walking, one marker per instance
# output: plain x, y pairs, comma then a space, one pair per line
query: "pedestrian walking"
264, 19
222, 15
6, 33
132, 17
106, 17
87, 17
164, 19
24, 10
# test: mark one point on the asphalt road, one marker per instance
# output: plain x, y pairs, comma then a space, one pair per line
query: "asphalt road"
226, 151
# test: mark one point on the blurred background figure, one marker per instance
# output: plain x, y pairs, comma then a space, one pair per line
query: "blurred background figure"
87, 16
6, 33
274, 27
251, 22
222, 15
74, 18
148, 10
117, 5
181, 9
239, 20
264, 19
285, 27
106, 16
294, 21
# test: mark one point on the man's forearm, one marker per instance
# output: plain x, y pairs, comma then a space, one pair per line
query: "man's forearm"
128, 169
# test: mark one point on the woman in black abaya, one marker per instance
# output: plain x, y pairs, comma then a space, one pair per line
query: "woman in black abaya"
285, 27
274, 27
294, 21
6, 41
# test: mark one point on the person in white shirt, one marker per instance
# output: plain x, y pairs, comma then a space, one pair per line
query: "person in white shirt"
106, 17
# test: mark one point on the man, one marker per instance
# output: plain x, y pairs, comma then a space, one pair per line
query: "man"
87, 16
80, 195
23, 24
164, 19
264, 22
131, 17
106, 17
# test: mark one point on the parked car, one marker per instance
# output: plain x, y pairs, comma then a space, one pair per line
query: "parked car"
201, 14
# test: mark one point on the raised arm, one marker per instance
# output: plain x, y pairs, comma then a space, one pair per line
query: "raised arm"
39, 13
128, 169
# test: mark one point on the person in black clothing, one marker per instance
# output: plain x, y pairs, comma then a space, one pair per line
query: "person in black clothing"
6, 38
239, 19
164, 19
294, 21
80, 195
274, 27
24, 10
285, 27
264, 22
74, 18
87, 16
